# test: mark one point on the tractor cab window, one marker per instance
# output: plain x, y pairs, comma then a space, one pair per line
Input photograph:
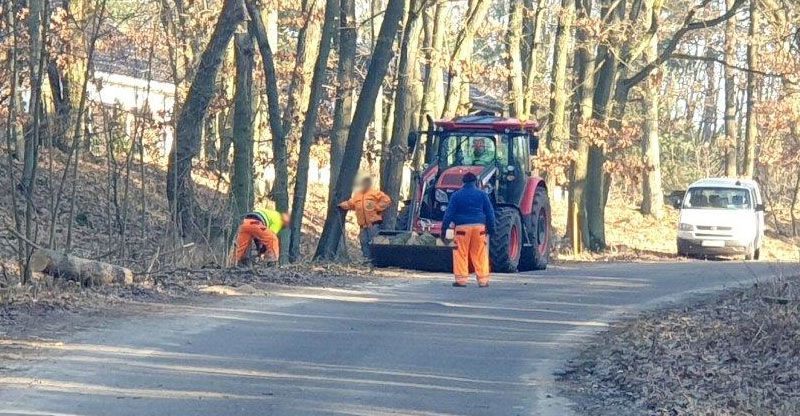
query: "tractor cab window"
521, 156
468, 150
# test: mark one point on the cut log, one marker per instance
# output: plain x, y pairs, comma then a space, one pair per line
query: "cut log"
87, 272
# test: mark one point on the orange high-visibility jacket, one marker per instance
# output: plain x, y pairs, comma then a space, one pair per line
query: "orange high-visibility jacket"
368, 206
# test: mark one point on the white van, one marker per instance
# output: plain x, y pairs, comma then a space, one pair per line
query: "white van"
721, 217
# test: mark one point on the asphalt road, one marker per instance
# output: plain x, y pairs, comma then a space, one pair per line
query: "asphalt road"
405, 347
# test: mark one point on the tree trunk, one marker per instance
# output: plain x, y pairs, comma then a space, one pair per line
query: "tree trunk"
577, 224
310, 126
345, 87
731, 129
605, 81
462, 56
378, 122
180, 189
533, 25
516, 93
306, 53
751, 126
404, 112
87, 272
379, 64
433, 89
242, 178
558, 133
280, 157
652, 193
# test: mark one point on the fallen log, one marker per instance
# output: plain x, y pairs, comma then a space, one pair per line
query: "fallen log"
87, 272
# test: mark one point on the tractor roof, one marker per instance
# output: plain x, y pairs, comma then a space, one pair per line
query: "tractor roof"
490, 123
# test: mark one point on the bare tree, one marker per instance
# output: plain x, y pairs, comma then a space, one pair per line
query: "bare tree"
461, 56
731, 130
751, 125
379, 64
310, 126
345, 87
558, 133
188, 132
404, 111
242, 178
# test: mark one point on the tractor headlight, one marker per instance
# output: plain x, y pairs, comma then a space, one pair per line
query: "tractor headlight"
685, 227
442, 197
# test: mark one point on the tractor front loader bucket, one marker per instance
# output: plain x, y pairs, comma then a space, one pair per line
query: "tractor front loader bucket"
409, 250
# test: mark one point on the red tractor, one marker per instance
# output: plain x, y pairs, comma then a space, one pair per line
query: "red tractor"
497, 150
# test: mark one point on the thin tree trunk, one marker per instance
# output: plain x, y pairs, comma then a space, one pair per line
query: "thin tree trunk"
280, 157
652, 193
180, 189
242, 179
345, 87
12, 132
516, 93
558, 133
751, 126
404, 112
462, 56
379, 64
577, 224
329, 28
731, 129
305, 56
532, 28
433, 90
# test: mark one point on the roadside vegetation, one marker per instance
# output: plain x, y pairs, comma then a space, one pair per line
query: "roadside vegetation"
736, 354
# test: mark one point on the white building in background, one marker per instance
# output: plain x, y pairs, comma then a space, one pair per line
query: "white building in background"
134, 94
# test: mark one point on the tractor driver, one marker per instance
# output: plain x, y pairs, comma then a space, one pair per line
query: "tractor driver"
480, 155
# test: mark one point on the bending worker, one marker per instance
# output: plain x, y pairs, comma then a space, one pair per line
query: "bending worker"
260, 227
369, 205
473, 215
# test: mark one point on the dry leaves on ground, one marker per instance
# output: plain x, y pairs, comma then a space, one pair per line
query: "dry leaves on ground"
738, 354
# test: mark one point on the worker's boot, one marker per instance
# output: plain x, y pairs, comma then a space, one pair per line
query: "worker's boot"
456, 284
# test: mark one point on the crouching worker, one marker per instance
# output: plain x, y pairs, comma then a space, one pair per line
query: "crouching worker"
473, 215
260, 227
369, 205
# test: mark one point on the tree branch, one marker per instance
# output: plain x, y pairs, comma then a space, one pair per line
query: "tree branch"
669, 49
688, 57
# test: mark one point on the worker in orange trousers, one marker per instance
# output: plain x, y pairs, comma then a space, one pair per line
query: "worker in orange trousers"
260, 227
473, 215
369, 205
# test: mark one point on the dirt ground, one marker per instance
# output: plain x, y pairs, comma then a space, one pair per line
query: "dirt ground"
736, 354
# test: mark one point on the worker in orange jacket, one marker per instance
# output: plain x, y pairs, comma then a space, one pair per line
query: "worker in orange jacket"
471, 210
260, 227
369, 205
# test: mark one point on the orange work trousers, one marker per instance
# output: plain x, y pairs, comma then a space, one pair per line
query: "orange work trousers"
471, 250
251, 231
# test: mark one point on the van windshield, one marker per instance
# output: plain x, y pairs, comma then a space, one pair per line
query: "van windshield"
717, 198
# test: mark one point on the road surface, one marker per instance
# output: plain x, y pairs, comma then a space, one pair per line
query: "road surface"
410, 347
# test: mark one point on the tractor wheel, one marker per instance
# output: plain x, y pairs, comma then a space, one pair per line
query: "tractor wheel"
505, 246
536, 256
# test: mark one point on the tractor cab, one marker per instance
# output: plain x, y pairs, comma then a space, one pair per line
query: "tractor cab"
496, 150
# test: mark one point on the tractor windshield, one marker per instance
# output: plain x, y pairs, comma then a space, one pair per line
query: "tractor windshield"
471, 149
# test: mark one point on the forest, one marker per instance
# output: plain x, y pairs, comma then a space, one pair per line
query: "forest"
139, 131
